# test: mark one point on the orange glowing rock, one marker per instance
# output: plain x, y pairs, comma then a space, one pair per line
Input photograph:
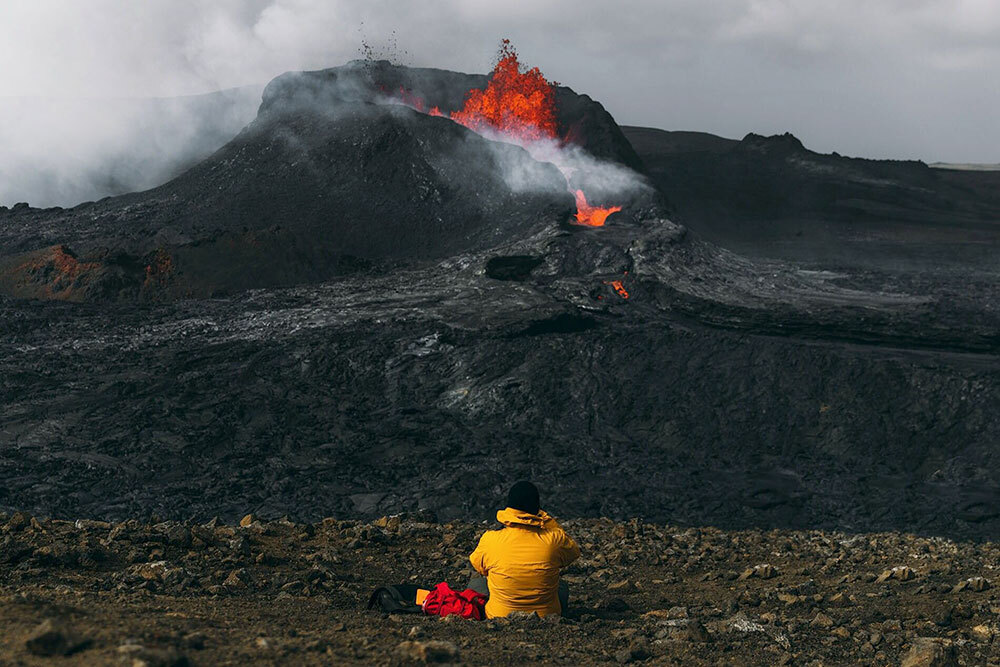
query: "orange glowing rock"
519, 104
618, 287
592, 216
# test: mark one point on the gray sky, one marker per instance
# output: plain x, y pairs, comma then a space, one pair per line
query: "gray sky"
874, 78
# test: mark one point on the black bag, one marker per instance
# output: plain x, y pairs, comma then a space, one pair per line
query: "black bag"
400, 599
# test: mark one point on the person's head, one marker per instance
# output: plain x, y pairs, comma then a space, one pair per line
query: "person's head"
524, 496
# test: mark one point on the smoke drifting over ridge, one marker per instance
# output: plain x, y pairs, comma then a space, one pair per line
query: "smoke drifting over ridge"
887, 79
63, 152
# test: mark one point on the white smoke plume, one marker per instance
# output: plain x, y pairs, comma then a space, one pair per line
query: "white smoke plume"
603, 180
60, 152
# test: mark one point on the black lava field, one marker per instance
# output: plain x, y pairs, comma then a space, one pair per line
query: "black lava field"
349, 311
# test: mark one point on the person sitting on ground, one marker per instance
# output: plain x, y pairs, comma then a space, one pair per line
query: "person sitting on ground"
520, 563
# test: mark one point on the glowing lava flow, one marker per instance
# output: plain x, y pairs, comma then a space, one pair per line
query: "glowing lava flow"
519, 104
592, 216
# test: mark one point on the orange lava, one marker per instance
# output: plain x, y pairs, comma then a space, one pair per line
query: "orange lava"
592, 216
618, 287
519, 104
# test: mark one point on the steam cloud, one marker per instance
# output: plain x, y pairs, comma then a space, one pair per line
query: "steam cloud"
888, 79
605, 182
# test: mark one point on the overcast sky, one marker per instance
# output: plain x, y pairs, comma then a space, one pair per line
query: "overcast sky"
878, 78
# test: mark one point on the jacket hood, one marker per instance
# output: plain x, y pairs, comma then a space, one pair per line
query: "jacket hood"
514, 517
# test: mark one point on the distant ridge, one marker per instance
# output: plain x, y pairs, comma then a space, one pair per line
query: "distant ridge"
958, 166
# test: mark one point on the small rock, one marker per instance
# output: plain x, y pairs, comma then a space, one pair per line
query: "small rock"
178, 536
764, 571
430, 651
633, 653
822, 621
740, 623
839, 600
239, 545
158, 658
930, 652
19, 521
51, 638
892, 625
246, 521
672, 613
692, 631
154, 571
983, 633
624, 586
237, 580
977, 584
129, 648
900, 573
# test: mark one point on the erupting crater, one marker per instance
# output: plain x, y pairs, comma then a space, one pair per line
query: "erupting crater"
517, 104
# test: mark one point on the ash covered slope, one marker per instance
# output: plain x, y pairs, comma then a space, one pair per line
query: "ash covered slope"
300, 195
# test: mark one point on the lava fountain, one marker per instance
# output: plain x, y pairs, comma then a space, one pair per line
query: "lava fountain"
520, 105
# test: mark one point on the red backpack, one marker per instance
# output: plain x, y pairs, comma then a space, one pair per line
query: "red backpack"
443, 601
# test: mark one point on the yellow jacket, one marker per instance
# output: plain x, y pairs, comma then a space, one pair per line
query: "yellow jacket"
521, 563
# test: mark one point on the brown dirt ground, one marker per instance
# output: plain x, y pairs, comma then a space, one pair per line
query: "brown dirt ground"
283, 593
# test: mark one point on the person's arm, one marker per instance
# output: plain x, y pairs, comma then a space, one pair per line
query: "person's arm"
478, 557
569, 550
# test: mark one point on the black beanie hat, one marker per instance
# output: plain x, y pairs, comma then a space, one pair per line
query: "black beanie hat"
524, 496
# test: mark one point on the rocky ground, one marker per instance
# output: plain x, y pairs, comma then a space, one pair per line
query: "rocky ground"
279, 592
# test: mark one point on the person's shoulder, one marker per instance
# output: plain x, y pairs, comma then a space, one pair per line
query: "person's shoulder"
552, 527
556, 532
490, 535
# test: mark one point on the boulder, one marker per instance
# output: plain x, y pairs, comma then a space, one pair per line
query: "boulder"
427, 652
52, 638
930, 652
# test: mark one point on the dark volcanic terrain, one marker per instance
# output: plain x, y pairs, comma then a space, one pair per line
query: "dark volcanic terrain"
772, 197
351, 309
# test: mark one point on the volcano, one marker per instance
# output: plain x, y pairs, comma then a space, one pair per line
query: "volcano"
332, 175
362, 306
